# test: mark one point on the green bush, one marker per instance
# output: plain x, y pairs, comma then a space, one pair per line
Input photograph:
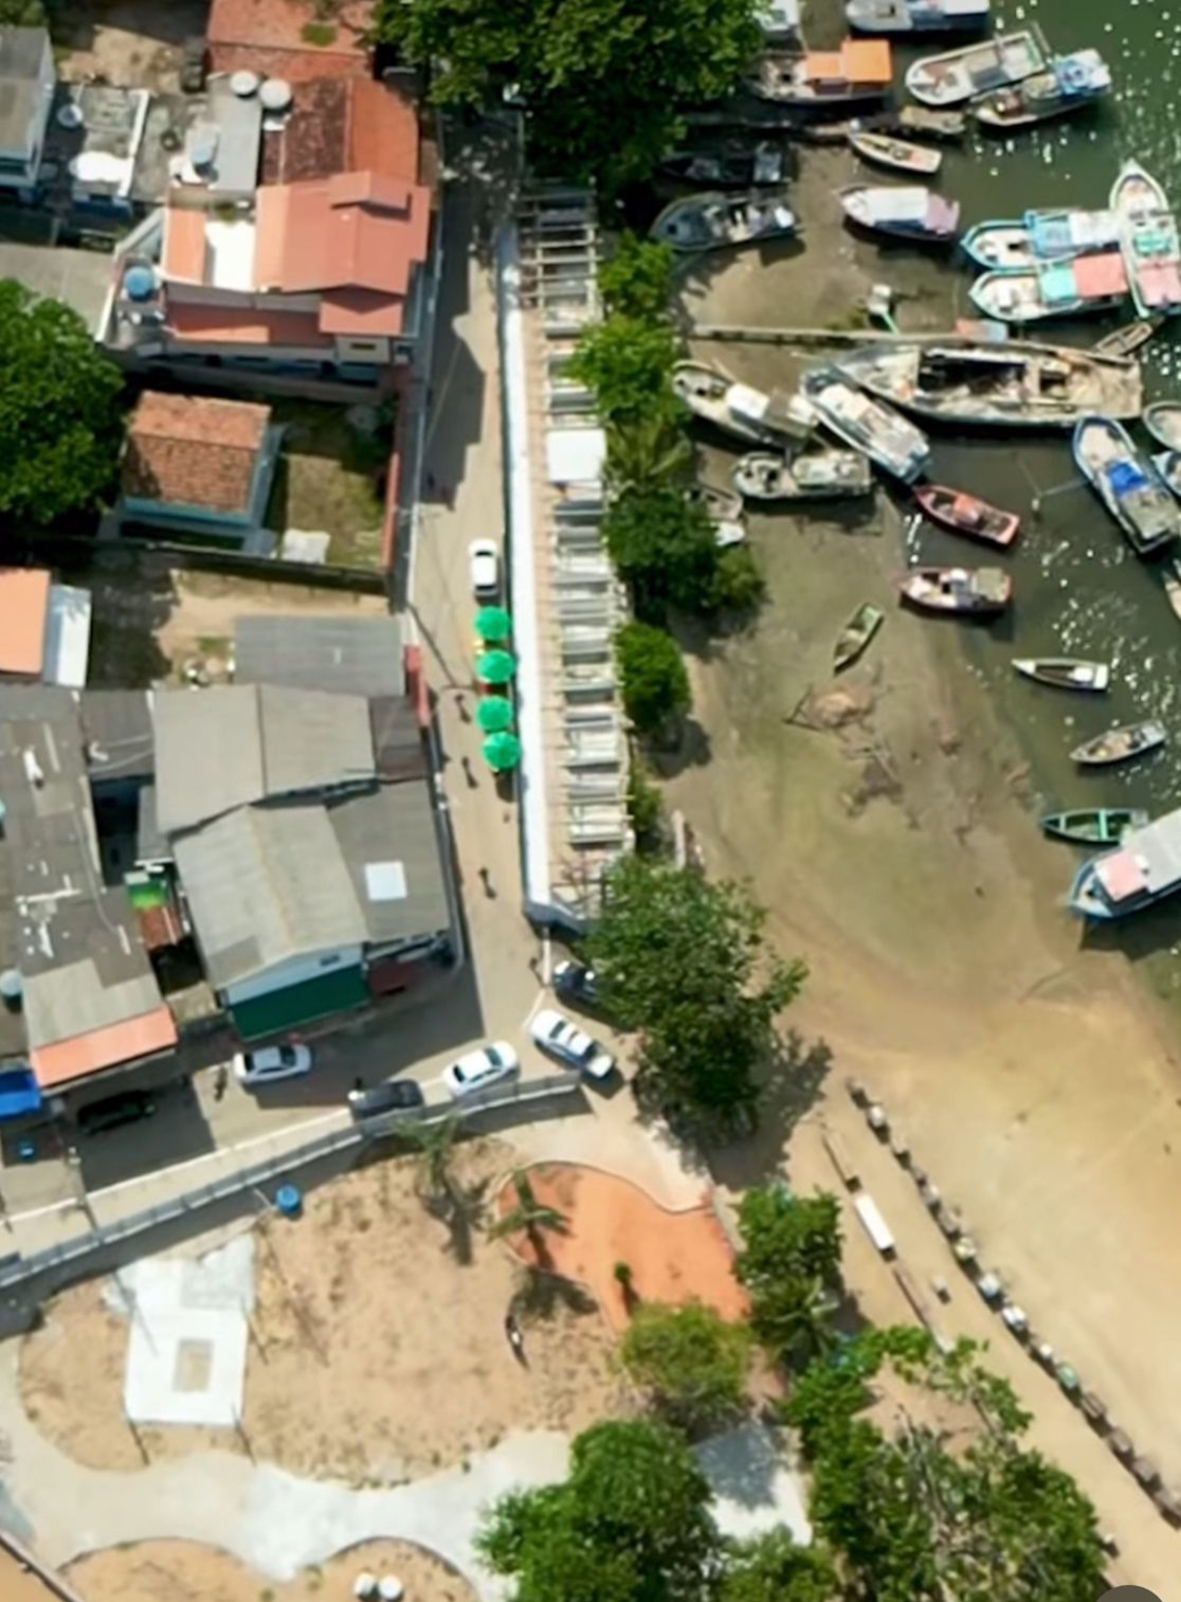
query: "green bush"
654, 681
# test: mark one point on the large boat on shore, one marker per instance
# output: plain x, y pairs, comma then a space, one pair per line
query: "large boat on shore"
716, 221
812, 475
974, 591
860, 70
1084, 285
1163, 421
1145, 869
894, 444
1011, 385
977, 69
751, 414
918, 16
734, 165
1127, 483
1046, 235
903, 211
1068, 84
1148, 239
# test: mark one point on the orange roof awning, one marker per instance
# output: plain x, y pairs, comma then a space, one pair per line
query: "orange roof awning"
867, 60
66, 1060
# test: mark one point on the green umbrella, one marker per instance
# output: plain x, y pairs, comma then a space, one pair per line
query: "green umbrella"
502, 751
493, 623
496, 667
494, 714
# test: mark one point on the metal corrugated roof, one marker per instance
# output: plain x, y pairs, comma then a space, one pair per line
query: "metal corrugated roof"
347, 655
392, 827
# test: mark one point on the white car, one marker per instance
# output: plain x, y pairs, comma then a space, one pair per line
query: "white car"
572, 1047
478, 1069
484, 566
271, 1064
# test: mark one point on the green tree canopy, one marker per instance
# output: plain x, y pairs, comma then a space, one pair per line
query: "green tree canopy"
637, 278
685, 960
772, 1568
631, 1523
603, 80
60, 427
790, 1262
22, 14
692, 1363
654, 682
664, 547
625, 361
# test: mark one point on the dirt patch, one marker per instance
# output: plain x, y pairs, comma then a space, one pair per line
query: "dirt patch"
374, 1354
673, 1257
329, 478
182, 1571
133, 43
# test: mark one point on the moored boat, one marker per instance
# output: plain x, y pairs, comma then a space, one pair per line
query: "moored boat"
917, 16
1148, 239
866, 424
716, 221
1075, 288
720, 504
856, 635
1127, 483
951, 125
751, 414
1067, 85
1093, 825
732, 166
1041, 235
1171, 578
898, 154
913, 212
1146, 868
967, 514
813, 475
1120, 744
860, 70
1013, 385
1163, 421
1065, 672
1128, 339
1168, 465
979, 591
958, 75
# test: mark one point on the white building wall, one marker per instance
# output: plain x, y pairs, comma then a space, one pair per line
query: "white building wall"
297, 970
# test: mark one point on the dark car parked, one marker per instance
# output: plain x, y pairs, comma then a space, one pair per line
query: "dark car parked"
392, 1095
575, 982
127, 1107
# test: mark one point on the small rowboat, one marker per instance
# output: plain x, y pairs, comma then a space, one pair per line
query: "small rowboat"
974, 591
1163, 421
932, 124
1064, 672
720, 504
968, 515
1128, 339
1172, 580
1120, 744
856, 635
1098, 826
898, 154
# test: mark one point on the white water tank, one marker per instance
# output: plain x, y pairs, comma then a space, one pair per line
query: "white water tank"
244, 83
276, 95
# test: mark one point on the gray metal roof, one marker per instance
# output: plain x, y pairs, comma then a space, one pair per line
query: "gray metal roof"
351, 655
232, 745
265, 884
118, 729
398, 749
21, 52
150, 844
389, 842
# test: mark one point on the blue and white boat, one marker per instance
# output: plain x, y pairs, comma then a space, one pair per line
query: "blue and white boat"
917, 16
1145, 869
1127, 483
1009, 245
1068, 84
1087, 284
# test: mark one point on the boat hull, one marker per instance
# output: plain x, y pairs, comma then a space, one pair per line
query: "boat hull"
943, 505
1098, 826
1100, 447
1111, 749
1148, 240
895, 154
906, 467
1062, 673
1163, 421
1016, 297
961, 75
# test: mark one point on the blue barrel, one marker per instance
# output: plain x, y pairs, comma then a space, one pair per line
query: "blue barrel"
289, 1200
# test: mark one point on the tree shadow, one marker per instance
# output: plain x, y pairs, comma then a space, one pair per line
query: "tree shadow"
791, 1087
742, 1465
542, 1293
692, 750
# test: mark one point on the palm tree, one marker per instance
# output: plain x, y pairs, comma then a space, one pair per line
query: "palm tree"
646, 452
435, 1145
529, 1217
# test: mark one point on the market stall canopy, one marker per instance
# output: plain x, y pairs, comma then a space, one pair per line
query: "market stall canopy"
494, 714
493, 623
502, 751
496, 667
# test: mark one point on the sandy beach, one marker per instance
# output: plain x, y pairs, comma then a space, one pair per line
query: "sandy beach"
899, 856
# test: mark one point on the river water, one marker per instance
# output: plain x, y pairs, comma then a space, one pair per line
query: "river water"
1080, 591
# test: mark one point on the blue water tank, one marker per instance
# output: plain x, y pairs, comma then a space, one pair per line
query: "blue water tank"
140, 283
289, 1201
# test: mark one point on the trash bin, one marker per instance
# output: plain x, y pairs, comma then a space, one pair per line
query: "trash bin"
289, 1200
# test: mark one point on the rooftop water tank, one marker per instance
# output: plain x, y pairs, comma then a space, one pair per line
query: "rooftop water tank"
70, 115
244, 83
140, 283
11, 984
276, 95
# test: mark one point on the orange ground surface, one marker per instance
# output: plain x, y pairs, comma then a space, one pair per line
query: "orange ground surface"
674, 1257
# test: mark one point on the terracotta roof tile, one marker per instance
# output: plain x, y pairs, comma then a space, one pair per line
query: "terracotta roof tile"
184, 244
343, 125
24, 608
66, 1060
354, 312
281, 25
383, 131
231, 325
355, 231
193, 451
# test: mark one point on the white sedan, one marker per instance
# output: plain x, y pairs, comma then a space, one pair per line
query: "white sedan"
572, 1047
484, 566
478, 1069
271, 1064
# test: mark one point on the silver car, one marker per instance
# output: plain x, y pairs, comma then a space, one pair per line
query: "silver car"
571, 1046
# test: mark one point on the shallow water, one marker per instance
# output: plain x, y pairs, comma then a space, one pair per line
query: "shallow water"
1079, 588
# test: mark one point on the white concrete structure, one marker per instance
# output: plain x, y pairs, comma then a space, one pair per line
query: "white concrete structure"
26, 94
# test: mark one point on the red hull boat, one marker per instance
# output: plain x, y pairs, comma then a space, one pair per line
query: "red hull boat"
968, 515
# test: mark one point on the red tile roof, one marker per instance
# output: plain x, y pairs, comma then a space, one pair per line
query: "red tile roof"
272, 30
354, 231
67, 1060
184, 244
246, 325
193, 451
342, 125
24, 608
383, 131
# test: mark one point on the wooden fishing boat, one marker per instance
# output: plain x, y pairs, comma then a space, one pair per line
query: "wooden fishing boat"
1065, 672
1094, 825
977, 69
1127, 340
913, 213
1120, 744
1143, 869
1148, 239
856, 635
968, 515
1017, 384
950, 125
814, 475
1171, 576
861, 69
1163, 421
898, 154
895, 444
1081, 286
733, 165
1068, 84
1127, 483
977, 591
719, 503
917, 16
1045, 235
716, 221
751, 414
